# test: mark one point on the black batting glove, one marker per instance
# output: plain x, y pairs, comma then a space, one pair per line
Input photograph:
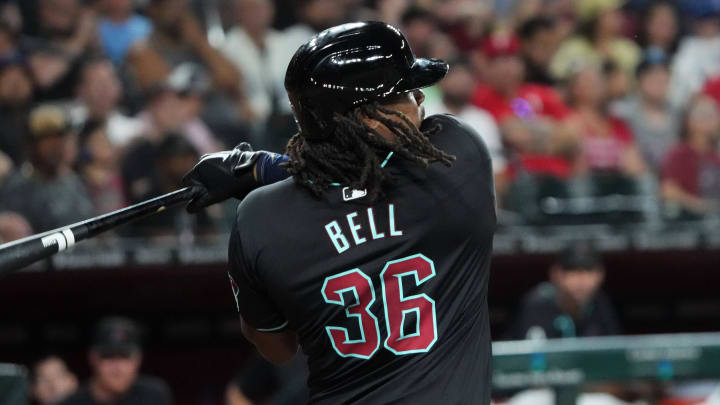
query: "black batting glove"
222, 175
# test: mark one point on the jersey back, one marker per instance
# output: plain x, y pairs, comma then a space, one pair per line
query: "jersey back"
389, 299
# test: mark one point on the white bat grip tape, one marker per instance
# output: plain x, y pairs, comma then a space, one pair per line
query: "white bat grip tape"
63, 239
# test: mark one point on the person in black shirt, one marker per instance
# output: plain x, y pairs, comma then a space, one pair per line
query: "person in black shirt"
115, 359
373, 258
571, 304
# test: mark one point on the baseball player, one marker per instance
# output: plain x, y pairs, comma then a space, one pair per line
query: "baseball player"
374, 256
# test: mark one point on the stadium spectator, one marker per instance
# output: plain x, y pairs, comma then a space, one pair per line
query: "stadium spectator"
660, 28
654, 122
115, 358
46, 191
691, 171
315, 16
571, 304
466, 21
119, 28
539, 40
98, 165
441, 46
606, 142
456, 90
11, 16
154, 167
697, 57
16, 91
506, 94
52, 381
564, 14
259, 53
419, 26
8, 43
98, 96
68, 33
598, 41
178, 38
175, 106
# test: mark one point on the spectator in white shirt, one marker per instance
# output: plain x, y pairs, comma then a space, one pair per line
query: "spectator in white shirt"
98, 97
258, 52
457, 88
697, 58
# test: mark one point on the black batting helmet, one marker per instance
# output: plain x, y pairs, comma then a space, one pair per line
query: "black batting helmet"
349, 65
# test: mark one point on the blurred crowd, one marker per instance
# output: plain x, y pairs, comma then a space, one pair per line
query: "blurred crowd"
593, 110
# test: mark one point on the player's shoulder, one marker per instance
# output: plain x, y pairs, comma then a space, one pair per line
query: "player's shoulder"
260, 198
270, 201
456, 136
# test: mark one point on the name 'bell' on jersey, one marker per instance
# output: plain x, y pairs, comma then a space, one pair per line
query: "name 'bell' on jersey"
389, 299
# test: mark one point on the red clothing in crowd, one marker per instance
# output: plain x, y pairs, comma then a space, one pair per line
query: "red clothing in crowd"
531, 100
712, 88
697, 174
604, 151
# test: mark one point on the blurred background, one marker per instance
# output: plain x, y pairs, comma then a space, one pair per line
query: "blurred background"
601, 117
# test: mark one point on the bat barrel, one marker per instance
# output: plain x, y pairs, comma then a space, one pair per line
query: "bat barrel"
21, 253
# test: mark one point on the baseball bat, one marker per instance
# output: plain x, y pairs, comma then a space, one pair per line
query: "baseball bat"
23, 252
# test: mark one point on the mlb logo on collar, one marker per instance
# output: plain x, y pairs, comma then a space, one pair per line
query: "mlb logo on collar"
350, 194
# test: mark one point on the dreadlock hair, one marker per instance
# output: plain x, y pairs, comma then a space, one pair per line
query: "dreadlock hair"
352, 154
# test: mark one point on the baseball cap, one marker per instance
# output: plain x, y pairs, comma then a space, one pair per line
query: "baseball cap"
497, 45
579, 255
116, 337
587, 10
48, 120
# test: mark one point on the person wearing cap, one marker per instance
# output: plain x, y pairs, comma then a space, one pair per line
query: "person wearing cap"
571, 303
505, 93
45, 189
115, 357
598, 41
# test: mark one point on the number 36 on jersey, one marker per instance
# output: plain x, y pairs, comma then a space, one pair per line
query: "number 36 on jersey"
403, 336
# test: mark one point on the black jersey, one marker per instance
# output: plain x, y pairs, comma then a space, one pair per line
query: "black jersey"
388, 300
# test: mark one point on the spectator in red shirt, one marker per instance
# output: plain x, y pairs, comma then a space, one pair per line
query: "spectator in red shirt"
691, 171
527, 113
505, 93
605, 142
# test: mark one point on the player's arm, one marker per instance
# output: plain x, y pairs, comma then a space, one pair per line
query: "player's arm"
262, 321
277, 348
233, 173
